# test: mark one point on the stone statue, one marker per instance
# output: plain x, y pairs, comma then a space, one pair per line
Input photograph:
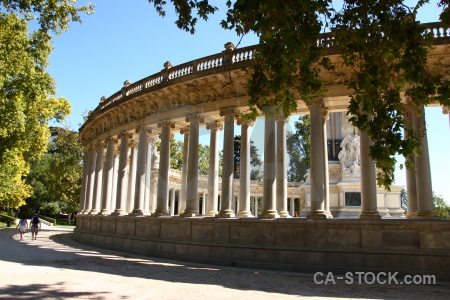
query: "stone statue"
349, 156
155, 159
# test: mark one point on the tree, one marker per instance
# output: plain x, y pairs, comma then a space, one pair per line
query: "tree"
56, 176
381, 43
176, 155
441, 208
203, 159
255, 160
387, 51
27, 90
298, 148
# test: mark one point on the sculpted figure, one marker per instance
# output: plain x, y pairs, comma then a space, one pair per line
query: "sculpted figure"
349, 155
155, 159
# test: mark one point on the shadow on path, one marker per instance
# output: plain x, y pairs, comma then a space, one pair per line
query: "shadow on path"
56, 249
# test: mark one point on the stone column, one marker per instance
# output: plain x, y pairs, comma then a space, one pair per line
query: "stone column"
203, 212
115, 176
98, 179
148, 175
139, 191
368, 181
269, 208
226, 199
326, 177
131, 177
316, 162
256, 207
84, 181
192, 172
122, 180
162, 201
410, 160
91, 180
213, 172
108, 176
244, 170
292, 207
281, 166
172, 201
425, 208
184, 170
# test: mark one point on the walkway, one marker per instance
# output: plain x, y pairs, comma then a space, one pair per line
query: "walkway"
56, 267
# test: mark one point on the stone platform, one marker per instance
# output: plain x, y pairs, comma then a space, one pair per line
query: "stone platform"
410, 247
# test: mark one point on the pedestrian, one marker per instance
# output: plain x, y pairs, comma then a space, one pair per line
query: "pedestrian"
35, 226
22, 225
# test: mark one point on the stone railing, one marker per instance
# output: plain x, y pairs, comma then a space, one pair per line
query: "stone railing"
230, 56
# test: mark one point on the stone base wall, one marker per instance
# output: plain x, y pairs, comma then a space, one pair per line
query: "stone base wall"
410, 247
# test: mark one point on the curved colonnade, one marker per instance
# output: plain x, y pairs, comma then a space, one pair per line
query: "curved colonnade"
120, 179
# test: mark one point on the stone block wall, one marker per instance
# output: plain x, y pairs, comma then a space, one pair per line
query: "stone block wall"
411, 247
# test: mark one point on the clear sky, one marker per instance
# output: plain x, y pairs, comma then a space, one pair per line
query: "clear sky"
127, 40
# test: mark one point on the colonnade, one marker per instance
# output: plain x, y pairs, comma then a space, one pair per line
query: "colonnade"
121, 181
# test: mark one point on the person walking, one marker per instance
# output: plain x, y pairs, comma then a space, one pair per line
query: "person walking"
35, 226
22, 225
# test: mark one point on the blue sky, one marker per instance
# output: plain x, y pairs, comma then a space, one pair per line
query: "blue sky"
130, 41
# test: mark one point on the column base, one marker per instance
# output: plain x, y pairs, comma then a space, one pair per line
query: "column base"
94, 212
189, 213
426, 214
211, 213
284, 214
105, 212
370, 215
329, 215
245, 214
269, 214
161, 213
226, 214
119, 212
410, 215
317, 214
137, 212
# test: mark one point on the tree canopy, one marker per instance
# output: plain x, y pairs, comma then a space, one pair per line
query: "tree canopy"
298, 148
56, 176
255, 160
381, 42
27, 101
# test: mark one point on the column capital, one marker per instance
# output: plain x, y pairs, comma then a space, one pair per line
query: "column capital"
166, 123
146, 128
132, 144
125, 134
324, 113
86, 153
229, 111
445, 110
214, 125
195, 117
242, 121
100, 145
111, 139
314, 102
185, 130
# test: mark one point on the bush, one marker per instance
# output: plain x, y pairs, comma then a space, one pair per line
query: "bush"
49, 209
7, 219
